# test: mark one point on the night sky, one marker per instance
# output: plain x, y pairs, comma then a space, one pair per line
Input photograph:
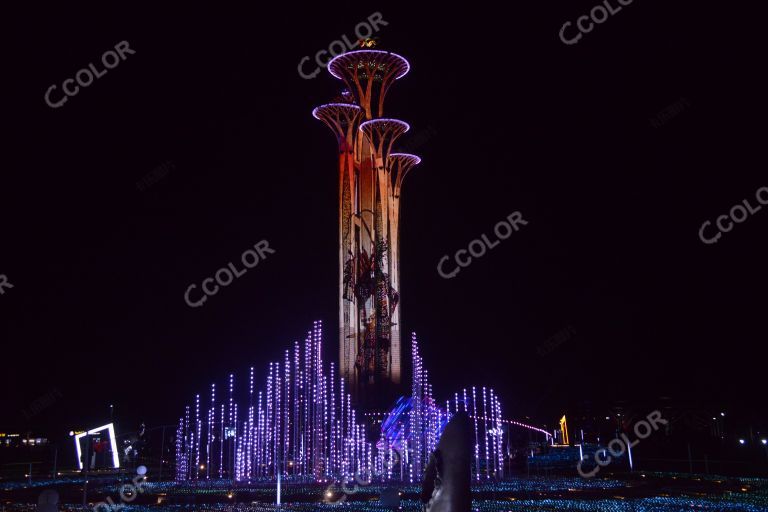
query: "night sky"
507, 118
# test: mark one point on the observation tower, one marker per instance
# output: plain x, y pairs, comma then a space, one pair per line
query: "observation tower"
370, 183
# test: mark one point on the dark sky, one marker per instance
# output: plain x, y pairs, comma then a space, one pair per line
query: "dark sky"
516, 121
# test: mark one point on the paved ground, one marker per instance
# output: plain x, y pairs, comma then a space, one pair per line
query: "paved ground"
651, 492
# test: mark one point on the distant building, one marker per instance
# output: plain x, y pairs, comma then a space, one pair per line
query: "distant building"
18, 440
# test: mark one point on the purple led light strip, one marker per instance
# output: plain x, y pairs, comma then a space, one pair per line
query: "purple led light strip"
407, 64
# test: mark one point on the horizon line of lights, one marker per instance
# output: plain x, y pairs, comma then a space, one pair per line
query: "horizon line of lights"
509, 422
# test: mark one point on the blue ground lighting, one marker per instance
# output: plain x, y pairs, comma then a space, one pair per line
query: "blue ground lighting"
651, 492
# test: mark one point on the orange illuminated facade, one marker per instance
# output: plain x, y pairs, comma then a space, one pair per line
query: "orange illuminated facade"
370, 183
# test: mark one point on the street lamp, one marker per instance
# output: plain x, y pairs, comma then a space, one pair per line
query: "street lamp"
742, 441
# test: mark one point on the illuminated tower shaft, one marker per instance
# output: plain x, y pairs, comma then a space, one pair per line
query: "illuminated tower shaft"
369, 185
398, 164
383, 336
342, 119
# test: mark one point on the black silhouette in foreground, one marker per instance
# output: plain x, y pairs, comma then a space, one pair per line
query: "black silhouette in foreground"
447, 479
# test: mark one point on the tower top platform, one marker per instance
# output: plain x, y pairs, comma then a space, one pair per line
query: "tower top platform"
379, 64
368, 74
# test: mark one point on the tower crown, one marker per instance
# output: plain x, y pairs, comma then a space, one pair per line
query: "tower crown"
368, 74
383, 133
341, 119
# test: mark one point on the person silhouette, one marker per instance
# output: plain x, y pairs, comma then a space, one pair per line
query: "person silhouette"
448, 477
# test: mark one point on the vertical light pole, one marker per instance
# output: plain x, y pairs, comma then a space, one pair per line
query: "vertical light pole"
162, 447
690, 459
86, 465
277, 471
55, 459
162, 454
